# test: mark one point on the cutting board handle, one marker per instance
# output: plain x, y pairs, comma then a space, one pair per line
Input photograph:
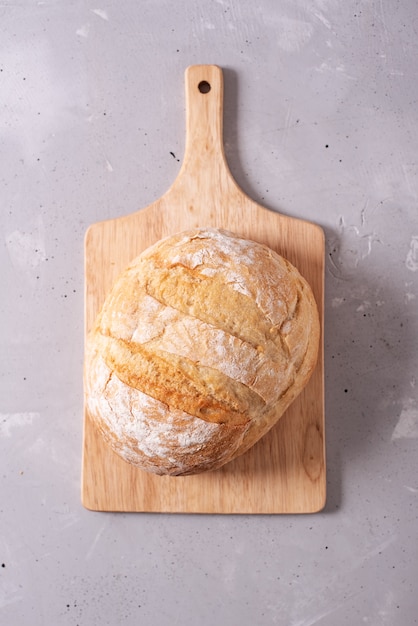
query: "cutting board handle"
204, 171
204, 113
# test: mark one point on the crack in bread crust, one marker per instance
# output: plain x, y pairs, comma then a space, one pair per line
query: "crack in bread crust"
148, 433
173, 287
204, 391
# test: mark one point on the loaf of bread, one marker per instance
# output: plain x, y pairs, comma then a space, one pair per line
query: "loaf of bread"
200, 347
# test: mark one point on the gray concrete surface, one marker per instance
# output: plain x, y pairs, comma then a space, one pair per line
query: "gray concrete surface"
320, 123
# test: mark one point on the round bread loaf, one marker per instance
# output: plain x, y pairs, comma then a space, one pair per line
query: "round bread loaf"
200, 347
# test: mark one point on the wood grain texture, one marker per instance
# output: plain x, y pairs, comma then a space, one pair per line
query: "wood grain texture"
285, 471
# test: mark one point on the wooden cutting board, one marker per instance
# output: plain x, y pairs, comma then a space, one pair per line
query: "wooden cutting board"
285, 471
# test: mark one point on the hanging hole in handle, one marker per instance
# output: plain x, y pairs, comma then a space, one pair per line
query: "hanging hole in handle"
204, 86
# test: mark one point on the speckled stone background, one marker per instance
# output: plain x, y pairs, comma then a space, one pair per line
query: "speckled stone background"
320, 123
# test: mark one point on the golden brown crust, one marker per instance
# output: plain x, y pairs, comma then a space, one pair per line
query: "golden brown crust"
200, 347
